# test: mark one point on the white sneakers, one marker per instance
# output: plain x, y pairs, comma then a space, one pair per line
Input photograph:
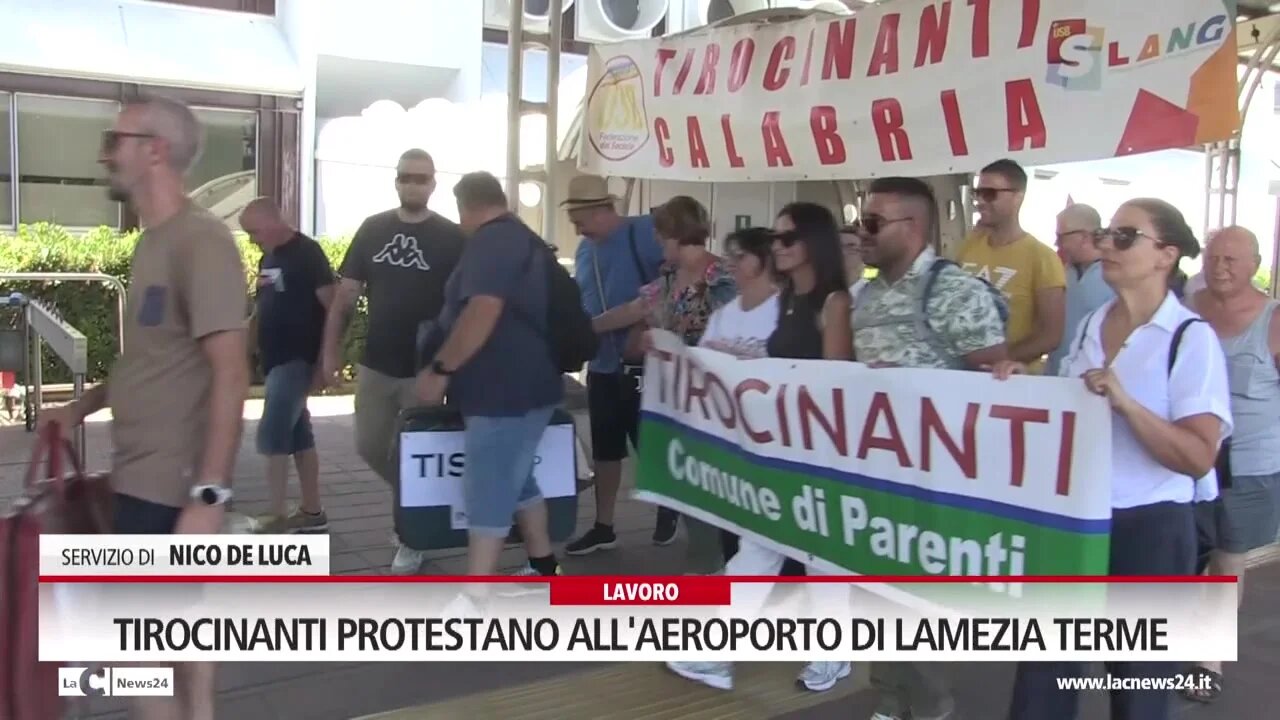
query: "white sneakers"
407, 560
815, 677
882, 716
718, 675
822, 676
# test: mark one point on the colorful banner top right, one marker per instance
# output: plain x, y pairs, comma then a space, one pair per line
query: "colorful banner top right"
913, 87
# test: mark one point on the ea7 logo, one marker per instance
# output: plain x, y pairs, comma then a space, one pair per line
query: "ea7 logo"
998, 276
402, 251
82, 681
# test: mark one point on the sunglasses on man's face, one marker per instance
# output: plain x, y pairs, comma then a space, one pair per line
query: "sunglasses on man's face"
1122, 238
111, 139
989, 194
414, 178
871, 225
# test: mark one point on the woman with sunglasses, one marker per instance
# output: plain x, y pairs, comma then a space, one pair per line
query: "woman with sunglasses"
1163, 372
813, 324
815, 303
742, 329
692, 285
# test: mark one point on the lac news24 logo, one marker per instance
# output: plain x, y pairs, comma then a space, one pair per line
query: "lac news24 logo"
124, 681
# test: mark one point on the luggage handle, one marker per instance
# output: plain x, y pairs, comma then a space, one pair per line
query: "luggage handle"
57, 445
53, 441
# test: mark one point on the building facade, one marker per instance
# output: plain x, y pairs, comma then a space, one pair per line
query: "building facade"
309, 102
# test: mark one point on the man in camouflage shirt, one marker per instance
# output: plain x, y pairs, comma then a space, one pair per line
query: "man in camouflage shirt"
958, 326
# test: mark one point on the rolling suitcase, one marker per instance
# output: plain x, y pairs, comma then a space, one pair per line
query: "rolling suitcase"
429, 513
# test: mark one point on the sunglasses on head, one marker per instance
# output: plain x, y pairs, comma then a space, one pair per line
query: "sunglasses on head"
1122, 238
873, 224
414, 178
111, 139
989, 194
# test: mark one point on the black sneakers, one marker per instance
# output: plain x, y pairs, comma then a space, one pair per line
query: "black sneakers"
664, 533
599, 537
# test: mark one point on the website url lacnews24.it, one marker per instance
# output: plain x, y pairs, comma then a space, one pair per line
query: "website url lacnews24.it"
1187, 682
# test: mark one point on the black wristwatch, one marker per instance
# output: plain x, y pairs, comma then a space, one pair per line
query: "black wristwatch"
437, 368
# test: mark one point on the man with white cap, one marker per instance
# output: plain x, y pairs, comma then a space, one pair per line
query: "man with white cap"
617, 255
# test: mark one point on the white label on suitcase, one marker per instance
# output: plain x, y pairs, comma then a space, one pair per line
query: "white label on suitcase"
432, 464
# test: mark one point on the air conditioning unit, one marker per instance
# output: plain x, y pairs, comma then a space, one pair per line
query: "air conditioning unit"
836, 7
497, 14
690, 14
604, 21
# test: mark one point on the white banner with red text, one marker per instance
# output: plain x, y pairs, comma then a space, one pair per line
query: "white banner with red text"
641, 619
913, 87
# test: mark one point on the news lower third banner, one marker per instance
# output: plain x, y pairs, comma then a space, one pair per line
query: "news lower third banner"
111, 599
882, 471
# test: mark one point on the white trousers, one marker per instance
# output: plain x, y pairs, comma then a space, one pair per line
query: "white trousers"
755, 559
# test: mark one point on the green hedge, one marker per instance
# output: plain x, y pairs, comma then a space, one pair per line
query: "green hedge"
91, 307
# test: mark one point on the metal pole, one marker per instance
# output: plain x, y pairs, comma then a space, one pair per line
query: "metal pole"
78, 390
515, 98
1275, 256
1235, 181
1208, 185
552, 156
1223, 161
37, 372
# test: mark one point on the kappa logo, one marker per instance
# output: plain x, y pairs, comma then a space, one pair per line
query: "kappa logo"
402, 251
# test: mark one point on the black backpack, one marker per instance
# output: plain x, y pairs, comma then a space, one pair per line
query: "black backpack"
568, 331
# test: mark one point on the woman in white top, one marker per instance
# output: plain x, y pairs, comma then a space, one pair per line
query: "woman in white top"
742, 329
1162, 369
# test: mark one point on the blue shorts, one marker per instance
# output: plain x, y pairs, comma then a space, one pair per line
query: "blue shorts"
498, 479
134, 516
285, 427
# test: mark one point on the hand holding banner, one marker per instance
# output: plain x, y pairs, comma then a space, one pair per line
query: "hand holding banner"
881, 471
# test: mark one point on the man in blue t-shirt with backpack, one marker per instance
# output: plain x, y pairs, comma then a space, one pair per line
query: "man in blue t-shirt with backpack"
617, 255
499, 362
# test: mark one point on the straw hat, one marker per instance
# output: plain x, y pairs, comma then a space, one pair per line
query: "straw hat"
588, 191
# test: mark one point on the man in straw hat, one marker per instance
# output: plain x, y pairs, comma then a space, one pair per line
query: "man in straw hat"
617, 255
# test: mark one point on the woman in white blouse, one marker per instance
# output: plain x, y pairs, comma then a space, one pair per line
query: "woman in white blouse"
1162, 370
742, 329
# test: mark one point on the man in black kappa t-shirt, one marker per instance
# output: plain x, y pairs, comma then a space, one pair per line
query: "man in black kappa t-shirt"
400, 259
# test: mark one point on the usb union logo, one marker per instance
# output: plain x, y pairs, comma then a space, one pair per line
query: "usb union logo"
1079, 52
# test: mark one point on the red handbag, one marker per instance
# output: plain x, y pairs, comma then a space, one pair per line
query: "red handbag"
74, 503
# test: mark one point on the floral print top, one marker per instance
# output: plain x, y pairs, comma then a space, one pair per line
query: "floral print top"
686, 312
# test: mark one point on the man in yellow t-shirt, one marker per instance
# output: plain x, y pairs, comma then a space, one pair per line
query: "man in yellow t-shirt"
1027, 271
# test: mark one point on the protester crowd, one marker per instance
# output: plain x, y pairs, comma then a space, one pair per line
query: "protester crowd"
465, 315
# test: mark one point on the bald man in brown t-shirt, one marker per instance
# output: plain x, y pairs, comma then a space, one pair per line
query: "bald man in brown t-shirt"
177, 392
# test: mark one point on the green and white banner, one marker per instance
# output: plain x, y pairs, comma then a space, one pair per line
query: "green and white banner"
881, 471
